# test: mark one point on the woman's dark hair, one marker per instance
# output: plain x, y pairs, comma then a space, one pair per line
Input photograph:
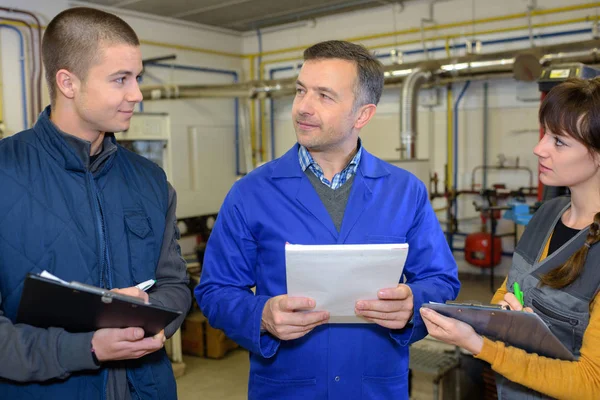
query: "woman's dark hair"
573, 109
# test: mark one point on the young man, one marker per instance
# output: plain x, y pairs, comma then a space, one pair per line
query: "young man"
77, 204
326, 190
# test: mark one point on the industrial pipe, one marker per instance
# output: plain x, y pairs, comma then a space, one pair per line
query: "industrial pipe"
38, 83
451, 70
408, 113
22, 62
499, 168
32, 77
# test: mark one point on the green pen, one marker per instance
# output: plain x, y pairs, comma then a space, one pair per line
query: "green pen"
518, 293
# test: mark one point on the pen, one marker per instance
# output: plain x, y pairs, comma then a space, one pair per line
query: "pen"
519, 293
146, 285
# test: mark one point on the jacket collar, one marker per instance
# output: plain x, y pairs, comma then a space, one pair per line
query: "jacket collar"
288, 166
70, 151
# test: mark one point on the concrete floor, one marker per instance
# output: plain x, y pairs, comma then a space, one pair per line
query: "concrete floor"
227, 379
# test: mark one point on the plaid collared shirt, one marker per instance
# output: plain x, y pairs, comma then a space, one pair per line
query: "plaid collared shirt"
306, 161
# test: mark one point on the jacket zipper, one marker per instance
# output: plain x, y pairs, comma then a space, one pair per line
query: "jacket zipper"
130, 382
105, 276
103, 260
107, 264
571, 321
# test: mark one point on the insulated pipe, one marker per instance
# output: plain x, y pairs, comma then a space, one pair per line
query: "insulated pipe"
451, 69
408, 113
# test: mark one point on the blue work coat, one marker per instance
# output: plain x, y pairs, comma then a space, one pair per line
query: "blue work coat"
277, 203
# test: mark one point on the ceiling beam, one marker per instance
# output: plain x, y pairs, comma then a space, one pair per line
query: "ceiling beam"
204, 9
125, 3
300, 12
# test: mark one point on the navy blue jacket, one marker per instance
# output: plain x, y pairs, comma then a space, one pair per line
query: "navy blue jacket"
104, 229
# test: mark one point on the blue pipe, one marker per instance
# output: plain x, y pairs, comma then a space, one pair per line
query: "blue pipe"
236, 107
22, 59
495, 41
455, 140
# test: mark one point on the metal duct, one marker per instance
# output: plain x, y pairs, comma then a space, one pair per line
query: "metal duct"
408, 113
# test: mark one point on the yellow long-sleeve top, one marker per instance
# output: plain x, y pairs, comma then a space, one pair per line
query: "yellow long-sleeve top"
555, 378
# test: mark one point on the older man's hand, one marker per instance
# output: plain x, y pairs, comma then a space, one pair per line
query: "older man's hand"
393, 309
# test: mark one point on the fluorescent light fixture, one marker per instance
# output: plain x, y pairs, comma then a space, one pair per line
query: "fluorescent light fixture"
398, 72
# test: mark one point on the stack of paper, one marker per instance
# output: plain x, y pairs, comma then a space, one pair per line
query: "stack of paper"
337, 276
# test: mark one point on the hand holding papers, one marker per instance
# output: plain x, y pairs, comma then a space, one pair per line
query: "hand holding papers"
337, 276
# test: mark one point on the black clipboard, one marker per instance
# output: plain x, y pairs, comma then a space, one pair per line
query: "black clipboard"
520, 329
77, 307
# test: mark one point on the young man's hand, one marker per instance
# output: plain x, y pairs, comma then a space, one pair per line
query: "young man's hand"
125, 344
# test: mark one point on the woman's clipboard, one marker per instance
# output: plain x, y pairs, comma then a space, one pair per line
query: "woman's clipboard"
78, 307
520, 329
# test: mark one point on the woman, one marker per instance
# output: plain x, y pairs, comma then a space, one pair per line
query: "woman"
556, 262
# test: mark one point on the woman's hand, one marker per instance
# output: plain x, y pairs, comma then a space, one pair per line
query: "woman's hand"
452, 331
510, 300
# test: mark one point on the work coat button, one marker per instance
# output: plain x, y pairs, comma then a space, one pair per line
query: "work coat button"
337, 378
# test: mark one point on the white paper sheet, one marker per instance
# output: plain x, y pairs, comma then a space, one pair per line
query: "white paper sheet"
337, 276
48, 275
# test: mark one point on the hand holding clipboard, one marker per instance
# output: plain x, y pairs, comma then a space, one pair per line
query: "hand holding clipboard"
78, 307
520, 329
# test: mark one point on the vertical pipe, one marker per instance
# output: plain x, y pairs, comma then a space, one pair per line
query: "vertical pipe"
33, 74
253, 114
261, 104
485, 133
455, 139
272, 118
409, 106
194, 142
448, 172
449, 162
236, 110
39, 63
140, 79
492, 249
455, 147
23, 82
